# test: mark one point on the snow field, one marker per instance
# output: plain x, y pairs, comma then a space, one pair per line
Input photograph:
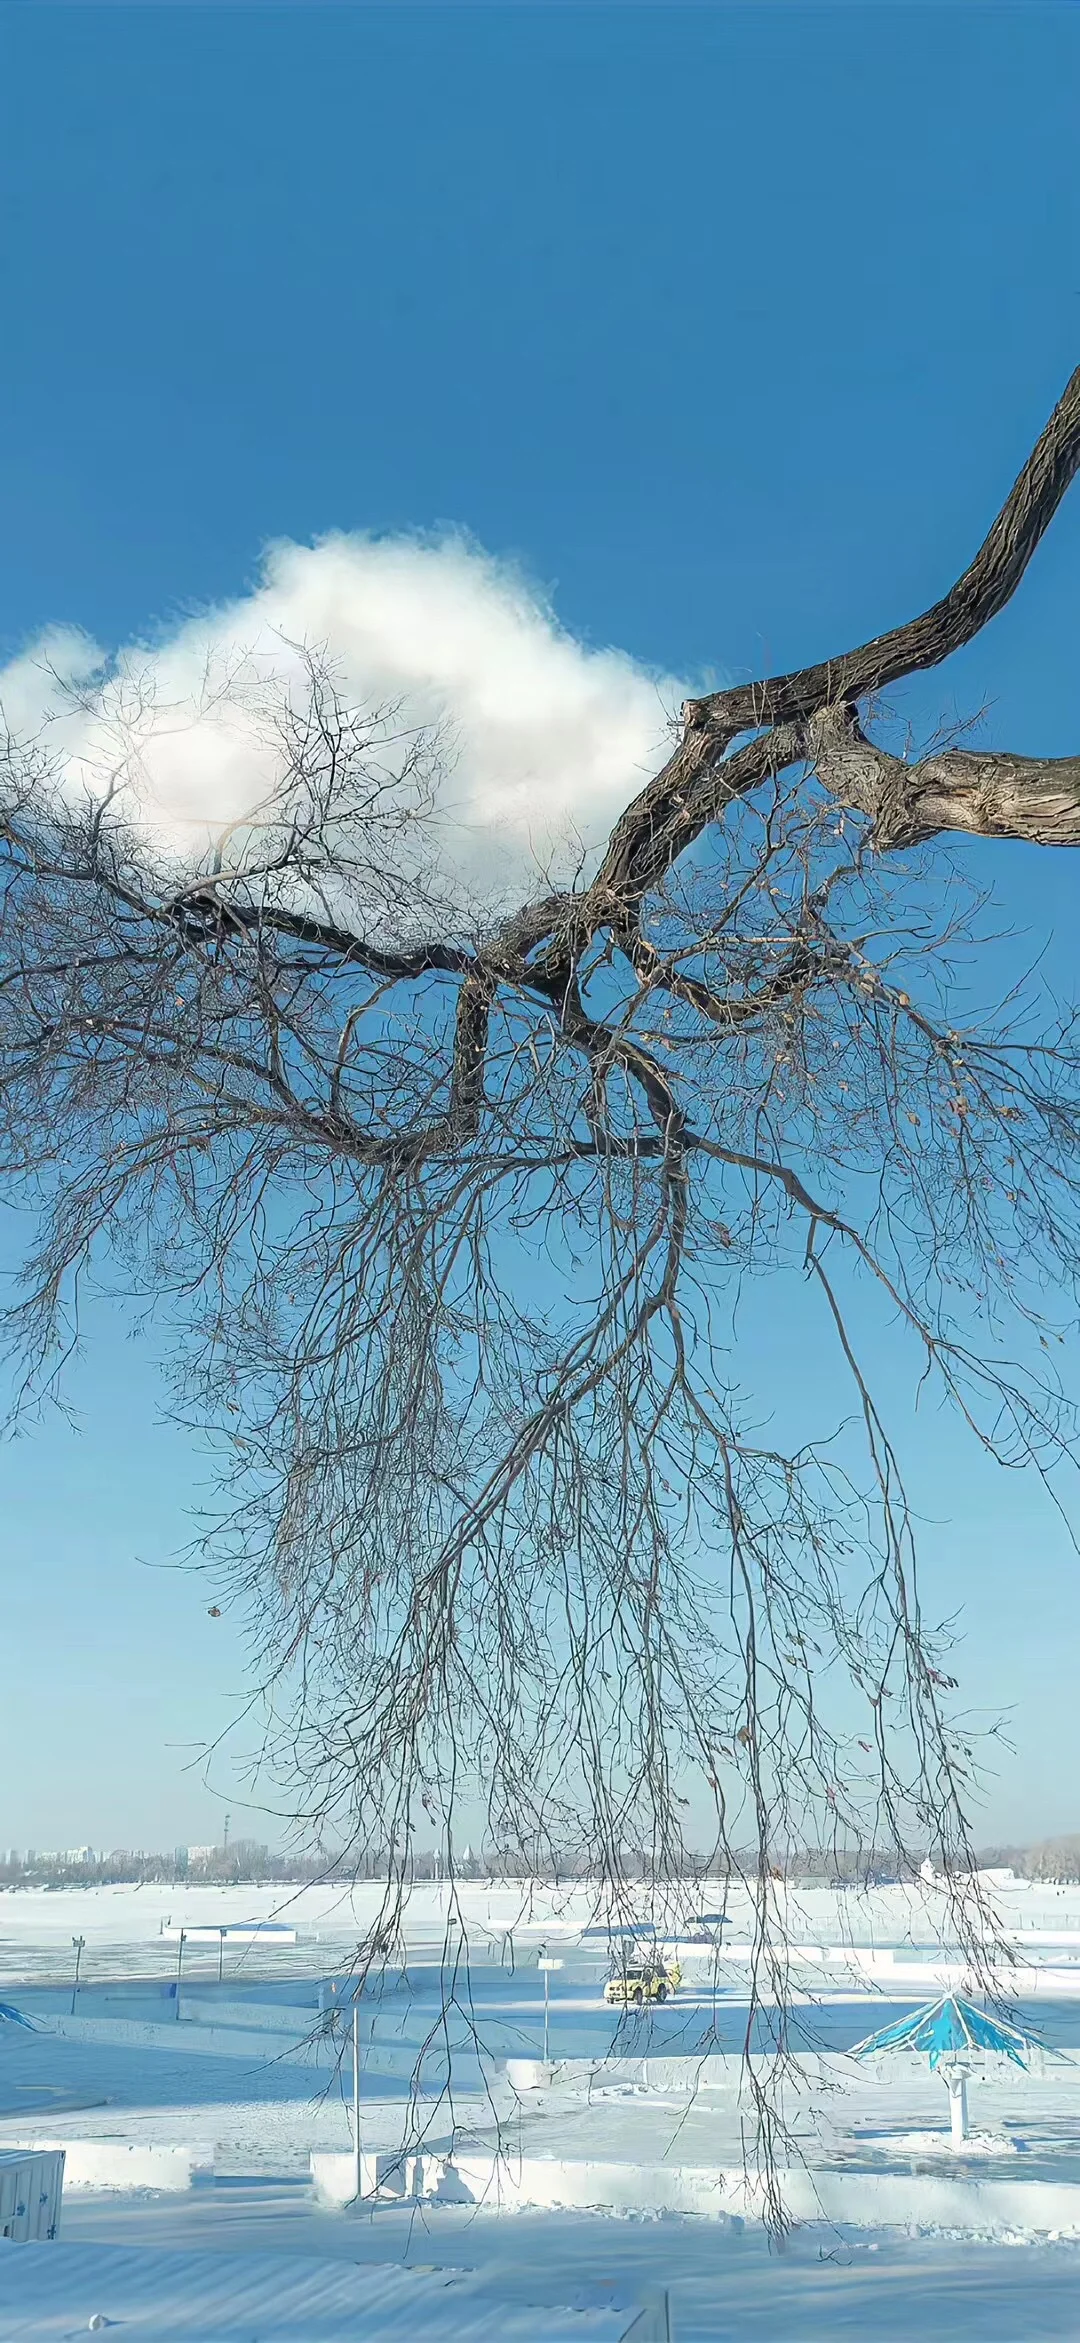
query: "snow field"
645, 2116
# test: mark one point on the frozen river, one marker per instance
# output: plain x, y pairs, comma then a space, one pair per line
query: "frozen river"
431, 2010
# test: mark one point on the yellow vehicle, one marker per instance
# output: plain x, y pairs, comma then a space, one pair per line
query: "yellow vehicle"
641, 1977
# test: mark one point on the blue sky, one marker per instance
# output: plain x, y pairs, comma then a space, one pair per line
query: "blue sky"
732, 326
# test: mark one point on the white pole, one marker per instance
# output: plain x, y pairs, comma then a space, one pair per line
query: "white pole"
356, 2092
547, 1964
958, 2109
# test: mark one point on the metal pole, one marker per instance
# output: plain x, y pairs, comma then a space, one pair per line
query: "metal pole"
179, 1970
220, 1953
546, 1963
78, 1942
356, 2092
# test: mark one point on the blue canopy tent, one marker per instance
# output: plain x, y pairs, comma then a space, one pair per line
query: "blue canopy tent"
950, 2031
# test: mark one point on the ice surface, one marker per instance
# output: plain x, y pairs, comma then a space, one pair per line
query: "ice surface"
224, 2063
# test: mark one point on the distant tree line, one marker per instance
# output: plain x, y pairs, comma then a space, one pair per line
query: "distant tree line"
248, 1861
243, 1862
1055, 1860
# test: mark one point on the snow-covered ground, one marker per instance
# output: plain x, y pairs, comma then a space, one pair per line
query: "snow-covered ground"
823, 2286
238, 2066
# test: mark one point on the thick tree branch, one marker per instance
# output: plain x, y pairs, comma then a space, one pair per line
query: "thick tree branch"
993, 795
730, 1010
693, 788
984, 589
996, 796
211, 907
701, 778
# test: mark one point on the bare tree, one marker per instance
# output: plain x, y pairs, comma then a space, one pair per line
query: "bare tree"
457, 1213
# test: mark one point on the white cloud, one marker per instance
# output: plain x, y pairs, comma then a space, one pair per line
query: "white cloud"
546, 740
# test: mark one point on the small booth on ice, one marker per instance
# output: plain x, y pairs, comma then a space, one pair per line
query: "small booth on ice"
31, 2187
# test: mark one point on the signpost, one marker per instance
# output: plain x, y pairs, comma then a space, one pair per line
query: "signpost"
79, 1943
547, 1965
356, 2091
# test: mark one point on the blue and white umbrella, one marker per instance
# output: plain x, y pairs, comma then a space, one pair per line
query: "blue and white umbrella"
949, 2027
950, 2030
